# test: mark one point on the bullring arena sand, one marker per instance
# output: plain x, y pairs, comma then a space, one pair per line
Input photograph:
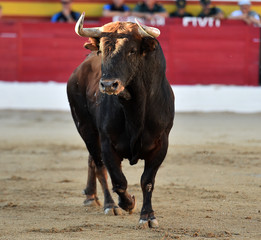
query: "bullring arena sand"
209, 186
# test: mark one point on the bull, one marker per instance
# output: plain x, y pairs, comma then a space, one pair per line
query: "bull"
123, 108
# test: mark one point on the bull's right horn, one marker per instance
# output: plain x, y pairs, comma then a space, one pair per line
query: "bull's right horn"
146, 31
86, 32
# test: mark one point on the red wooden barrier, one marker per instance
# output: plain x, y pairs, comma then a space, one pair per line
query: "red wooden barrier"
228, 54
196, 53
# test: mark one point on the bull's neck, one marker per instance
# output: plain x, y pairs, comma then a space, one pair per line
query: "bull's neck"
144, 88
134, 107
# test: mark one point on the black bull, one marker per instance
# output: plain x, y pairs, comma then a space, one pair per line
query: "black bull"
123, 107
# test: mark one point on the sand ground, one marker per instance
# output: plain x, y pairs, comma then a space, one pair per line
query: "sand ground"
209, 186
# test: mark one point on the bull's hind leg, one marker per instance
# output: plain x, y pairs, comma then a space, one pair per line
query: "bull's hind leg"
96, 168
91, 190
109, 205
152, 164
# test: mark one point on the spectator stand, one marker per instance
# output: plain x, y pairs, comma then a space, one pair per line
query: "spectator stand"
42, 10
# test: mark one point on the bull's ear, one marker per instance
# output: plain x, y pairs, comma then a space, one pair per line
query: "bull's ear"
148, 44
92, 44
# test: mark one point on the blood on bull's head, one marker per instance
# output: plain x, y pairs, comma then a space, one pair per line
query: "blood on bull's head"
122, 48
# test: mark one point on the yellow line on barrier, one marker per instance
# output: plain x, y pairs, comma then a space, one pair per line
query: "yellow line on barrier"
47, 9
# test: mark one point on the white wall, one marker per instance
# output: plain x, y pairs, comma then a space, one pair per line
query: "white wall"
52, 96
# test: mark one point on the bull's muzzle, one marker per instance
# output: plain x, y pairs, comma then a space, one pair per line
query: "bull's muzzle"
111, 86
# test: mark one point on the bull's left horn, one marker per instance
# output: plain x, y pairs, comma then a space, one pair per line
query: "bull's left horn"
146, 31
86, 32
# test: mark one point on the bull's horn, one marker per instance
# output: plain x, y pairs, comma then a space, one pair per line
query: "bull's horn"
147, 31
86, 32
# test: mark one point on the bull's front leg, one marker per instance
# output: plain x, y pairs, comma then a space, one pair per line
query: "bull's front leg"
119, 182
152, 164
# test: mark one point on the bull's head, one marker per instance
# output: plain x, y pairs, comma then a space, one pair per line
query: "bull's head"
122, 49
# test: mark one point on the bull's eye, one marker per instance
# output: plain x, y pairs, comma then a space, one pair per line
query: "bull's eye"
132, 51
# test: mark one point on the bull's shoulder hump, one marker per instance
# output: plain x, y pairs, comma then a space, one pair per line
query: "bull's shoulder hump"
92, 58
88, 72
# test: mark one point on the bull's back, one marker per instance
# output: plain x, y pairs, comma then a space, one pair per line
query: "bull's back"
83, 86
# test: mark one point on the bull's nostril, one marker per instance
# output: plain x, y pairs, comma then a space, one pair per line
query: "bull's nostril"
115, 85
109, 86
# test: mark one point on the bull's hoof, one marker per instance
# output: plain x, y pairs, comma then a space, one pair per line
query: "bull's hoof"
92, 202
151, 223
130, 206
111, 211
135, 205
143, 224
